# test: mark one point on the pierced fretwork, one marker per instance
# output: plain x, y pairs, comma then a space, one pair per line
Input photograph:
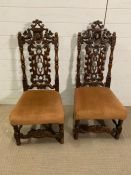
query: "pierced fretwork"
38, 40
96, 41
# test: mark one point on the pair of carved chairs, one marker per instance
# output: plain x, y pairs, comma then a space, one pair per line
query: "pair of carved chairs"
93, 98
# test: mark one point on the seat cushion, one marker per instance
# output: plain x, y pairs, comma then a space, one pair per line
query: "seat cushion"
98, 103
38, 107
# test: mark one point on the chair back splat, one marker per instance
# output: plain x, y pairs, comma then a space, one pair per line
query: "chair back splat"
38, 40
94, 44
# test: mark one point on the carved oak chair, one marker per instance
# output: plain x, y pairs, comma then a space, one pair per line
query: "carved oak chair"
42, 105
94, 100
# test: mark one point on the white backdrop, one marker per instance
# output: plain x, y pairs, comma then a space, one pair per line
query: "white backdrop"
67, 18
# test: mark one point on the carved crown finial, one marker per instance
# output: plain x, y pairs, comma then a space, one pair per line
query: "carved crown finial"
97, 25
37, 22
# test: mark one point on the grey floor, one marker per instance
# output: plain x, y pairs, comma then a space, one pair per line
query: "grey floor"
92, 154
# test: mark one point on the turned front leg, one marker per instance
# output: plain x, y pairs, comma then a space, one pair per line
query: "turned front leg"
61, 131
76, 129
118, 129
17, 134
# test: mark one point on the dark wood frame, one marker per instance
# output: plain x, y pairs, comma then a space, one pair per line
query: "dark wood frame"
95, 34
39, 38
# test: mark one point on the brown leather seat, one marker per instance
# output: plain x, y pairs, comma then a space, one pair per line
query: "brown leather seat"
98, 103
38, 107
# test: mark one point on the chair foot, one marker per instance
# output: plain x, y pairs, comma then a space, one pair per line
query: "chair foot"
117, 136
118, 130
17, 134
76, 130
61, 140
75, 134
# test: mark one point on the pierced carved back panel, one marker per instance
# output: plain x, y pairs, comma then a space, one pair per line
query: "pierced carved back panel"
38, 40
95, 42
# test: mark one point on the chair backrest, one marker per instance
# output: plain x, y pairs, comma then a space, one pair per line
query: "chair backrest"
94, 44
38, 41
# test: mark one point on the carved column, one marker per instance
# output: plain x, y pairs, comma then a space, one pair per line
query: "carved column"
56, 63
108, 78
78, 60
25, 85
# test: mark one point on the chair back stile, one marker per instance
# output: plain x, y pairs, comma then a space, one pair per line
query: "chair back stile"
108, 77
38, 40
22, 59
56, 43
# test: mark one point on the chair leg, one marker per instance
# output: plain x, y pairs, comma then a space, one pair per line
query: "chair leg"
17, 134
76, 129
118, 129
61, 131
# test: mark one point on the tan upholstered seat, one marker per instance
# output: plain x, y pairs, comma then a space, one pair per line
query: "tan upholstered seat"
38, 107
98, 103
